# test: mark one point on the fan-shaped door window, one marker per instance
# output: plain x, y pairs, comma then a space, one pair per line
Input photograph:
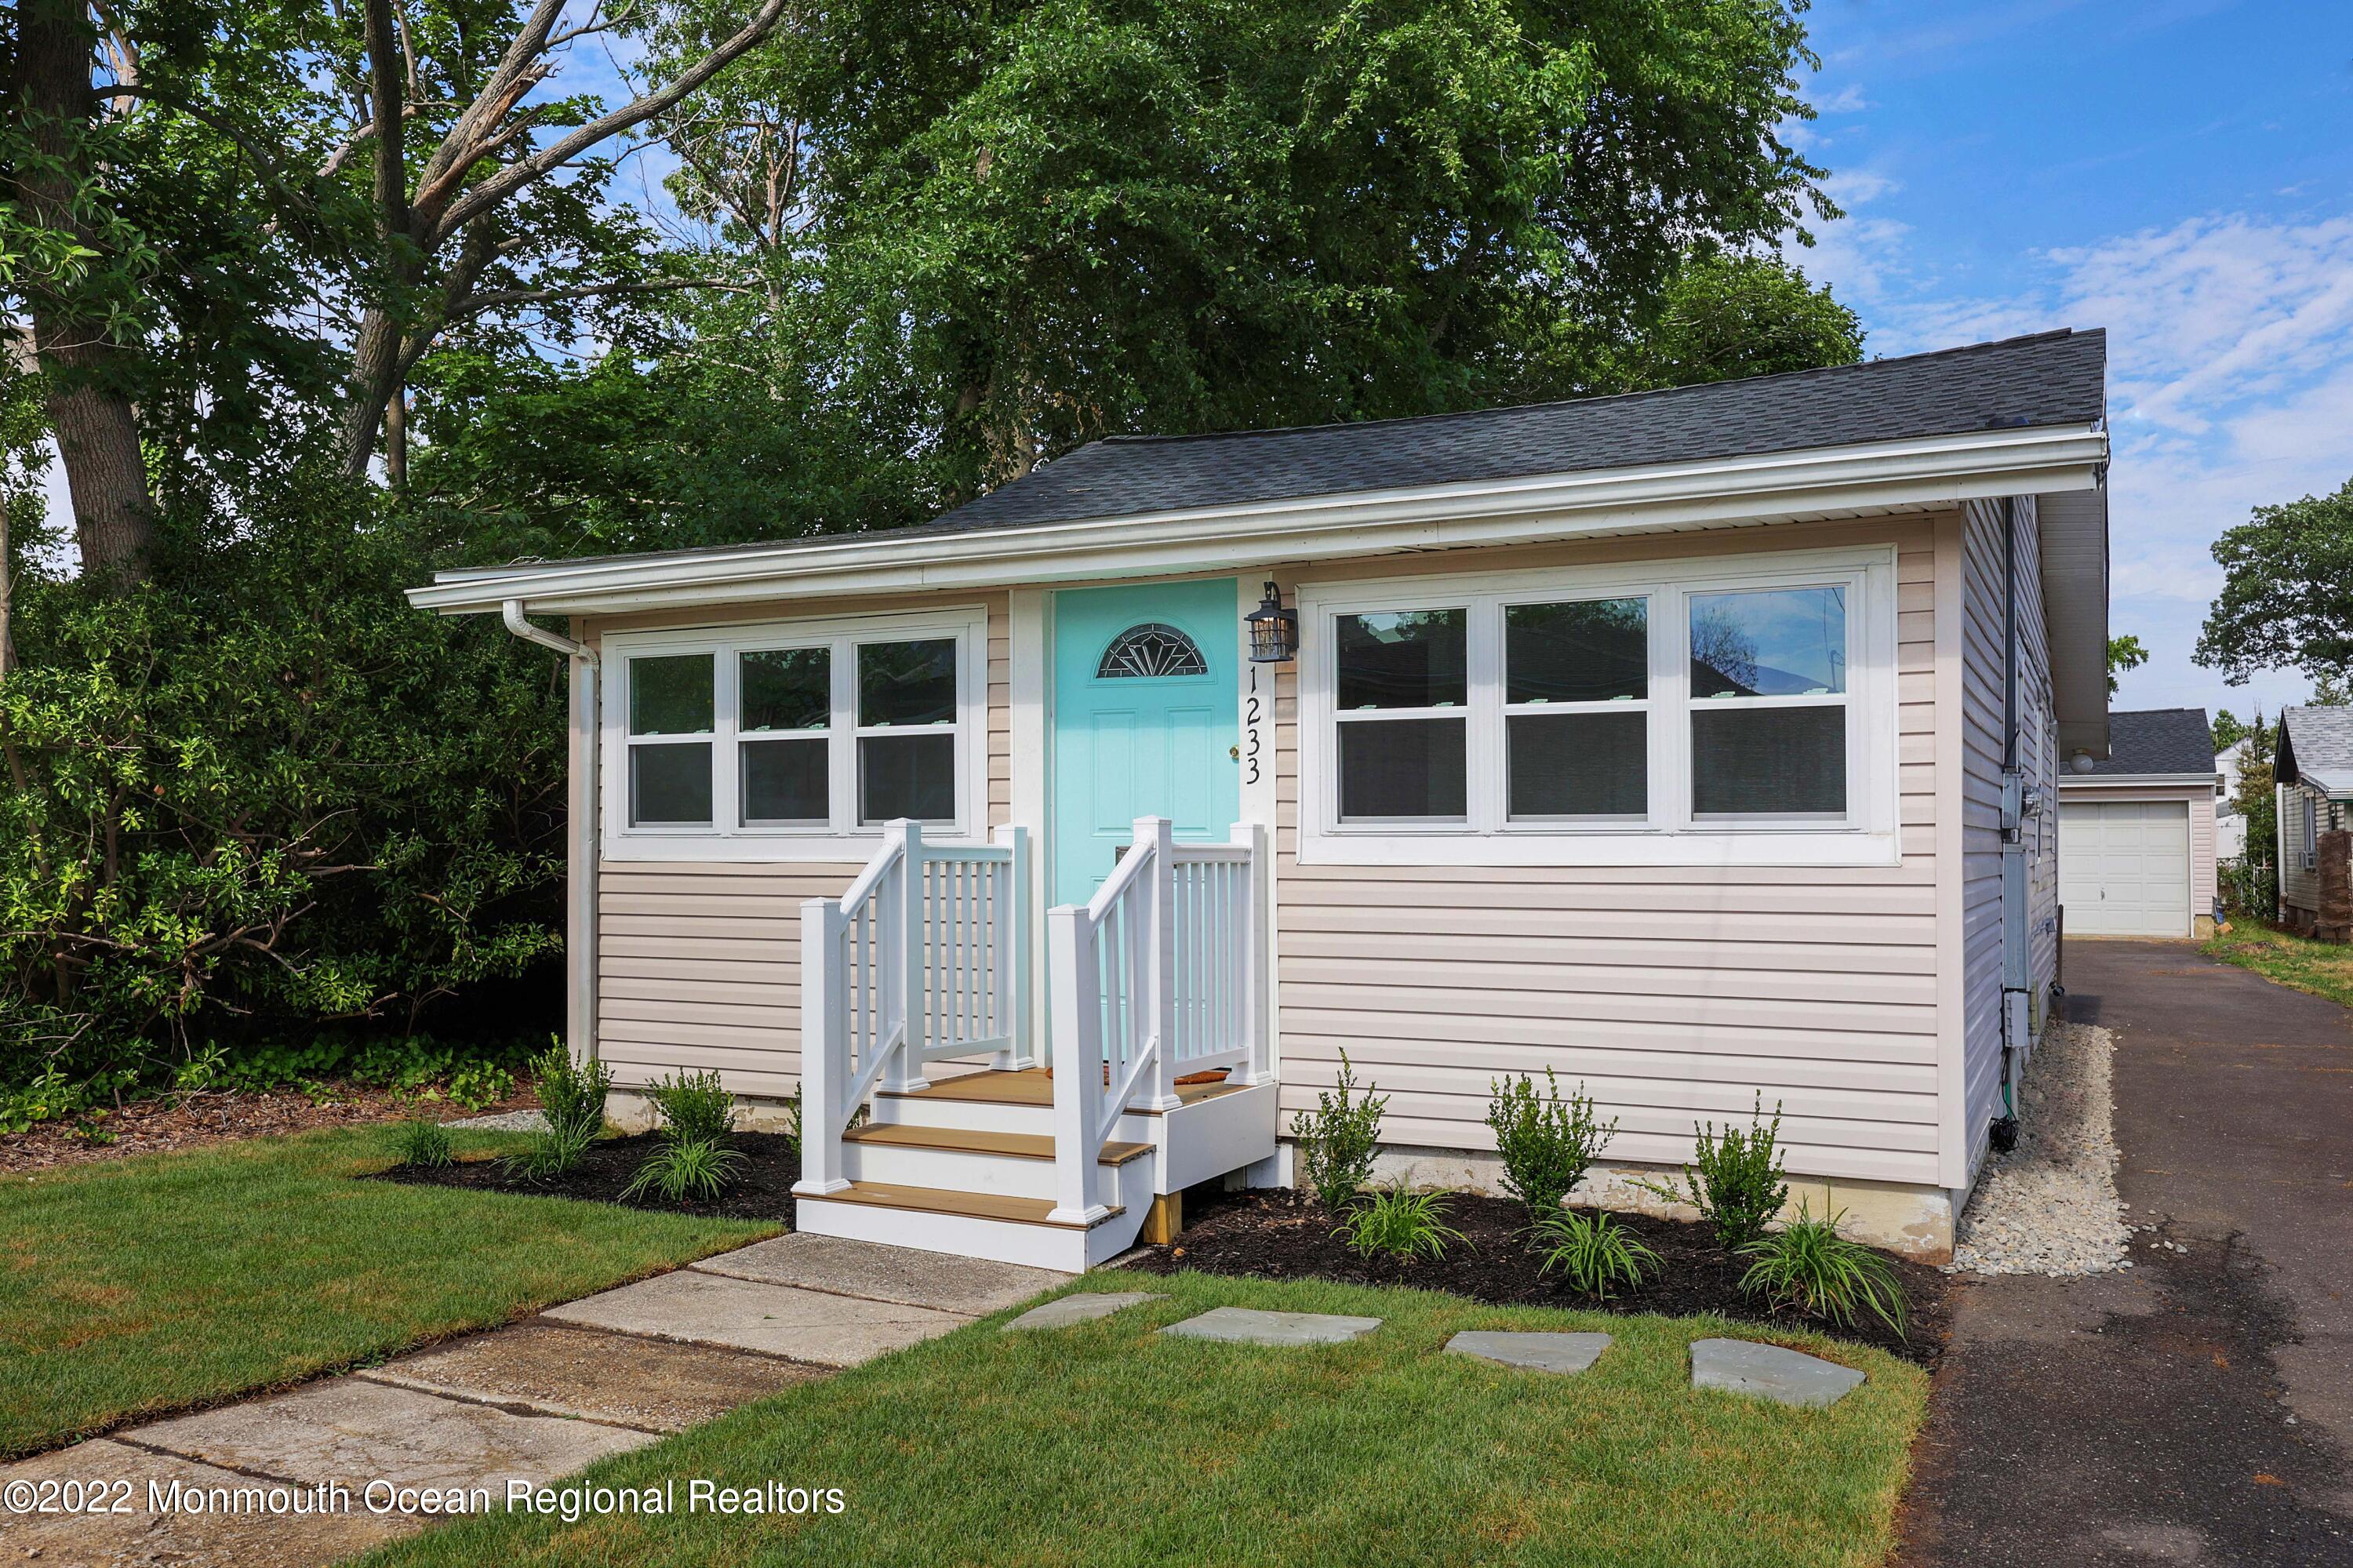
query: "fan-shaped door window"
1151, 649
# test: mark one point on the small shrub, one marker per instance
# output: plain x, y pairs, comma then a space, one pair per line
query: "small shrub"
477, 1084
1735, 1180
793, 1119
548, 1154
1595, 1254
1547, 1142
572, 1093
695, 1108
1807, 1265
420, 1145
684, 1168
1336, 1143
1399, 1224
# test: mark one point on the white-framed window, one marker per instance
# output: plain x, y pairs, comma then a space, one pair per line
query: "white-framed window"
794, 740
1732, 711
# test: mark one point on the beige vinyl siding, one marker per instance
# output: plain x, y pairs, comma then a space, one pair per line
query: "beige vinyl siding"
2298, 886
2203, 886
699, 963
1674, 995
1981, 751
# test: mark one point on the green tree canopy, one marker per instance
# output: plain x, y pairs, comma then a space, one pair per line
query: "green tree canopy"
2287, 592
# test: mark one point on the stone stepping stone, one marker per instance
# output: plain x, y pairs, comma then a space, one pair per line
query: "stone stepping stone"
970, 1286
658, 1385
1080, 1308
1531, 1353
1769, 1372
746, 1315
1247, 1325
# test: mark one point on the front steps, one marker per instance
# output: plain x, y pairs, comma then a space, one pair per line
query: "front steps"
966, 1166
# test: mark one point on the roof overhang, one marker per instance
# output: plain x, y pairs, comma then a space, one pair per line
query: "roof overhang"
2073, 530
2091, 783
1868, 479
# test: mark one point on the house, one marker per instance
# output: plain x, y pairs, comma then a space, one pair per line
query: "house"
2137, 831
2229, 822
2313, 773
1698, 744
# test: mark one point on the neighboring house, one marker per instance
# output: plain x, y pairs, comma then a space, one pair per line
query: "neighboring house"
2137, 831
2229, 822
2314, 776
1698, 744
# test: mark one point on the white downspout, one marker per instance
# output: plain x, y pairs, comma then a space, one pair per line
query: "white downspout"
580, 880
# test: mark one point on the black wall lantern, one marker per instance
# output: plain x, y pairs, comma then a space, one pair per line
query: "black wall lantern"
1273, 630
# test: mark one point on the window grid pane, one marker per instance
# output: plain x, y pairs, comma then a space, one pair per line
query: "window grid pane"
1403, 659
1769, 642
1785, 761
670, 784
905, 683
671, 694
786, 781
906, 775
1578, 765
785, 689
1582, 651
1405, 769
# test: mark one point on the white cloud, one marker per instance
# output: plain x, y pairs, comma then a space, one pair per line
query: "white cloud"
1848, 99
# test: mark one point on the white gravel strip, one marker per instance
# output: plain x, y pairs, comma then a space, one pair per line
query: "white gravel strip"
2050, 1205
508, 1121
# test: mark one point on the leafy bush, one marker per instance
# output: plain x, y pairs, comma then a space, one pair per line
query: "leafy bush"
1547, 1142
477, 1084
686, 1168
260, 794
572, 1093
1397, 1223
1735, 1180
695, 1108
1336, 1144
1596, 1253
421, 1144
1808, 1265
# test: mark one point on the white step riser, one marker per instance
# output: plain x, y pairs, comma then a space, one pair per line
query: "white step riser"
1061, 1247
988, 1115
953, 1170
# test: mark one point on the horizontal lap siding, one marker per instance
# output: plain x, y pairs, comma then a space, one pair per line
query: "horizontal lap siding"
699, 963
1675, 995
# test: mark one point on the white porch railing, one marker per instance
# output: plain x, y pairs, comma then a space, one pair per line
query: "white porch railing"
1160, 975
925, 957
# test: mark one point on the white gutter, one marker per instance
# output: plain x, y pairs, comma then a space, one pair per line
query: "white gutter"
1831, 481
581, 841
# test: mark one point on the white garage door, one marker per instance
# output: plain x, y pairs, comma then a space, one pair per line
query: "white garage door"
2124, 867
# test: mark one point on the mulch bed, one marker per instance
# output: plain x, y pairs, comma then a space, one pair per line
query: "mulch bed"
1270, 1235
762, 1188
173, 1121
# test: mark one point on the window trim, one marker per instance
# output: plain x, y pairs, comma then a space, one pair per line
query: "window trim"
1670, 834
841, 838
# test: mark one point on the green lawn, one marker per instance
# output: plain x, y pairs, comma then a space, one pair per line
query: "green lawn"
2324, 969
1110, 1445
163, 1280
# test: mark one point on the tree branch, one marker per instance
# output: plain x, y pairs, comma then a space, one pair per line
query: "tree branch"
525, 171
475, 304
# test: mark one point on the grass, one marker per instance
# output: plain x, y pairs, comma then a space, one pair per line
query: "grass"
2324, 969
1108, 1444
160, 1281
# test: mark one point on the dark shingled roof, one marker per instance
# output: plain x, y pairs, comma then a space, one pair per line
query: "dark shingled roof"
2157, 740
2317, 748
2050, 378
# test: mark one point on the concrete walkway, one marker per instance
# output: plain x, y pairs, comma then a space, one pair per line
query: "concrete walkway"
534, 1402
2197, 1408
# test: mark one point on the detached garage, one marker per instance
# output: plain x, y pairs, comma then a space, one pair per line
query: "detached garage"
2137, 831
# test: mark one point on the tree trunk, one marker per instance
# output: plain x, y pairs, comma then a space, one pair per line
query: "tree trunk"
89, 410
375, 361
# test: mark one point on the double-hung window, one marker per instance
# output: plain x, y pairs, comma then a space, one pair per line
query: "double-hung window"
784, 741
1718, 712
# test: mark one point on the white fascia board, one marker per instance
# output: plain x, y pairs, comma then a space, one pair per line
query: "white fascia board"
2088, 784
1875, 478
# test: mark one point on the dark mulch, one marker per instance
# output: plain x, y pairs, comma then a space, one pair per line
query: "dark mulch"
762, 1188
1280, 1235
172, 1121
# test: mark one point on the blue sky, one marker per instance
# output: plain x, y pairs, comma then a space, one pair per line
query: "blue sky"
2180, 173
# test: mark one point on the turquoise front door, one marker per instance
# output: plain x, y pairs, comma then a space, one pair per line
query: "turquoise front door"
1145, 693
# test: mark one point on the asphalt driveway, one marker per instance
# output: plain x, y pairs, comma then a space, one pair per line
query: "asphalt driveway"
2197, 1408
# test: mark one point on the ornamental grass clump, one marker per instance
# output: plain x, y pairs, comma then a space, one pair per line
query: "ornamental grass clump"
1547, 1143
421, 1144
1397, 1223
690, 1158
1594, 1253
1807, 1265
1335, 1144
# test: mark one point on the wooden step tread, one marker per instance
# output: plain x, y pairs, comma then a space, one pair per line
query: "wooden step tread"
1032, 1087
1017, 1145
938, 1201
